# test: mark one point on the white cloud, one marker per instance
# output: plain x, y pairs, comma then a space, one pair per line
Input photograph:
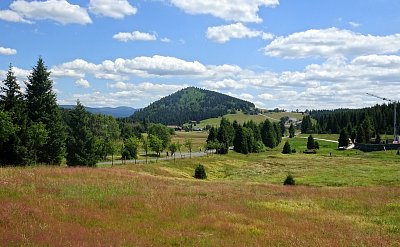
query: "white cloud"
136, 95
265, 96
166, 40
223, 84
7, 51
354, 24
222, 34
134, 36
60, 11
82, 83
331, 42
117, 9
12, 16
230, 10
246, 96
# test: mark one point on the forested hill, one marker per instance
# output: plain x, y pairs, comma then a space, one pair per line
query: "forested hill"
378, 117
191, 104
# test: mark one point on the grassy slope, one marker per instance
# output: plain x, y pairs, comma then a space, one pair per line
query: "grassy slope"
241, 118
349, 199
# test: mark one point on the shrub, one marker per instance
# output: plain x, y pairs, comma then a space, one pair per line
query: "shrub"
286, 148
398, 152
316, 145
289, 180
294, 150
200, 172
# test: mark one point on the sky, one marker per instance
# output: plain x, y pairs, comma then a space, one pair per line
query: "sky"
287, 54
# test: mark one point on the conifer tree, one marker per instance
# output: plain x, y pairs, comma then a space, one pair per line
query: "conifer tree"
13, 151
268, 134
343, 138
310, 142
286, 148
81, 144
42, 107
291, 131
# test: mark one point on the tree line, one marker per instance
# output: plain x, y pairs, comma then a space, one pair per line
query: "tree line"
247, 138
34, 130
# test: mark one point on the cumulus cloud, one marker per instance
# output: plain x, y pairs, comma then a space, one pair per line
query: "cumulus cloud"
12, 16
230, 10
265, 96
60, 11
82, 83
134, 36
7, 51
222, 34
117, 9
331, 42
136, 95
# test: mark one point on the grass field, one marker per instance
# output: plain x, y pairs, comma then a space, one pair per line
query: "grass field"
347, 199
242, 118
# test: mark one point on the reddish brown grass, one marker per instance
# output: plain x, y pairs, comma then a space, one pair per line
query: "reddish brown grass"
117, 207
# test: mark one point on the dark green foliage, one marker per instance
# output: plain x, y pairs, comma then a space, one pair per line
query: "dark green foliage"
294, 151
212, 135
200, 172
360, 138
398, 152
343, 138
156, 144
289, 180
225, 136
282, 128
306, 125
162, 132
378, 139
190, 104
131, 148
107, 133
81, 143
268, 134
13, 149
316, 145
244, 141
310, 142
286, 148
291, 131
42, 107
379, 118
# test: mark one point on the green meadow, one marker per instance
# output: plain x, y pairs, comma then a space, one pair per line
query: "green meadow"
341, 198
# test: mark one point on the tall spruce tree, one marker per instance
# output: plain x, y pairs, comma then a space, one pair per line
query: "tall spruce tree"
268, 134
14, 151
42, 107
81, 143
343, 138
291, 131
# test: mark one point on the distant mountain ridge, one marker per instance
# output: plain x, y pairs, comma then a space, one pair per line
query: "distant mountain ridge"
191, 104
117, 112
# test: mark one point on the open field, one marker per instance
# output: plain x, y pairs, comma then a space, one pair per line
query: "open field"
347, 199
242, 118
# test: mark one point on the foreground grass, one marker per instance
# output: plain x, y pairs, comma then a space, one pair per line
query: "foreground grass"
343, 198
118, 207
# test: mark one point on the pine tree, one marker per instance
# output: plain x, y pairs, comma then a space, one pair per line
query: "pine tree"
310, 142
306, 125
286, 148
81, 144
343, 138
42, 107
268, 134
291, 131
14, 150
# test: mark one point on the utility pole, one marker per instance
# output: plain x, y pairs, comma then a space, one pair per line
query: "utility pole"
395, 137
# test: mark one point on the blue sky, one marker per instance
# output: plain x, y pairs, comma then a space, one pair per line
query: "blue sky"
308, 54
